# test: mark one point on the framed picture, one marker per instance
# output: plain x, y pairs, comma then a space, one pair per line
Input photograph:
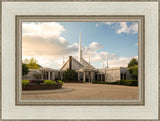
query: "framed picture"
80, 60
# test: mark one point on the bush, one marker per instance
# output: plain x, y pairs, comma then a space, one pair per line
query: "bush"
120, 82
59, 81
78, 81
49, 82
24, 83
99, 82
131, 82
69, 75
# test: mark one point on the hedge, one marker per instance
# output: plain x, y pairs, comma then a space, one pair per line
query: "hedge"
120, 82
24, 83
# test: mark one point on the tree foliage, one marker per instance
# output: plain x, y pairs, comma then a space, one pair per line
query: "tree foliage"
134, 72
133, 68
25, 69
132, 63
32, 63
69, 75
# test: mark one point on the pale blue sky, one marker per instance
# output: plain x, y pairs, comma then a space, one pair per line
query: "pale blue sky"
123, 44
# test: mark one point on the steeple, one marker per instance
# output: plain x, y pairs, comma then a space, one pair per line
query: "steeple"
107, 62
80, 48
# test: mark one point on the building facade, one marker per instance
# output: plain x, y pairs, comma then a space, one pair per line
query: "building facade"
84, 71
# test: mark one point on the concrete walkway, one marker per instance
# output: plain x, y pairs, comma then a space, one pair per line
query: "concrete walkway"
85, 91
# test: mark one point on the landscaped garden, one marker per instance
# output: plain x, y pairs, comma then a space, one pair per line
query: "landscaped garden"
41, 85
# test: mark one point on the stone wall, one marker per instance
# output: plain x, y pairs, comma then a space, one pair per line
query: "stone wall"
115, 74
112, 75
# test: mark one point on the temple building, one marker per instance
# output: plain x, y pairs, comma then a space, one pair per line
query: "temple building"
84, 70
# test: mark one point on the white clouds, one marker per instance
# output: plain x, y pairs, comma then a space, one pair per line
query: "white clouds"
109, 23
95, 46
44, 42
120, 61
100, 58
45, 29
44, 39
122, 27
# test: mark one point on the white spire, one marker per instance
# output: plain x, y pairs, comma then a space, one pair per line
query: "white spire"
89, 59
80, 47
107, 61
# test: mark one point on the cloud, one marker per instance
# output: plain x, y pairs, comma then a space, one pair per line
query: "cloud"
122, 27
137, 44
120, 61
44, 39
98, 58
45, 29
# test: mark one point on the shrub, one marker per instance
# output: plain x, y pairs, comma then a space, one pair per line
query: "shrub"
99, 82
49, 82
24, 83
131, 82
120, 82
59, 81
69, 75
79, 81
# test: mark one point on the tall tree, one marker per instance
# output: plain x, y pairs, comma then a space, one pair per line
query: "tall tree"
132, 63
32, 63
25, 69
134, 72
133, 68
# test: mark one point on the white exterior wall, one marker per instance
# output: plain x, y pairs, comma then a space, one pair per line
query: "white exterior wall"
112, 75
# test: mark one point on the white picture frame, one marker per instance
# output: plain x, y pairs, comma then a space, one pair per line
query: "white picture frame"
11, 111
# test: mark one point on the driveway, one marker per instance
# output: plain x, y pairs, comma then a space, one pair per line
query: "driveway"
85, 91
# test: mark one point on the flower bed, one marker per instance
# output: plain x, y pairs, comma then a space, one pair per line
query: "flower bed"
42, 86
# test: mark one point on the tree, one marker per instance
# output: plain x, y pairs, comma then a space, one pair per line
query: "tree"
69, 75
132, 63
133, 68
134, 72
39, 66
25, 69
32, 63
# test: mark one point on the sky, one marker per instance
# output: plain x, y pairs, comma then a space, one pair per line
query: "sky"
51, 43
